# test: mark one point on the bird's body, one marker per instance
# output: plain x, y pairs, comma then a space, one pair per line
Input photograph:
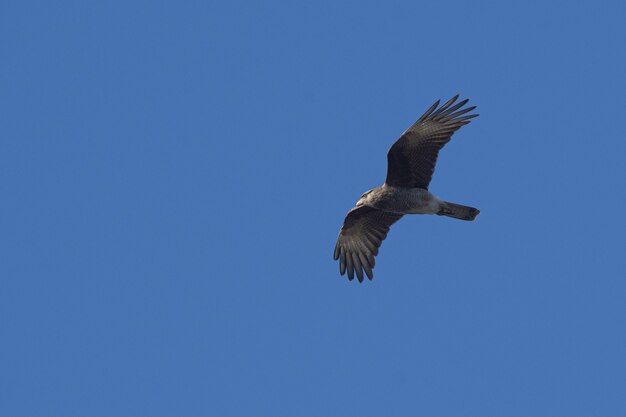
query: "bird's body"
401, 200
411, 163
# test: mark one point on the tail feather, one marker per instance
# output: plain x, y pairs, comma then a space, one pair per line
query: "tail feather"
458, 211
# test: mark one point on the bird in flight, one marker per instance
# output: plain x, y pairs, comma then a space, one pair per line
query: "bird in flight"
410, 166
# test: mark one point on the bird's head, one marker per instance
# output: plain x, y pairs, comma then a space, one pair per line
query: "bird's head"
364, 198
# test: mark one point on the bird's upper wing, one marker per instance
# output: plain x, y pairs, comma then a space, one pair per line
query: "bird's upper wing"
411, 160
363, 231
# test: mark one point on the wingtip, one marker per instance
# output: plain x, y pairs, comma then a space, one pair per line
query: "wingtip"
444, 107
427, 113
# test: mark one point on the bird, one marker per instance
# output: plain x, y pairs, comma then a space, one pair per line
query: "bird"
411, 163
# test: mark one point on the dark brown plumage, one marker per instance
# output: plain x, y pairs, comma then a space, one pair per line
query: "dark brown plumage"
411, 160
363, 231
410, 166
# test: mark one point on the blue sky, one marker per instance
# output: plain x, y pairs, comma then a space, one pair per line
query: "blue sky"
174, 176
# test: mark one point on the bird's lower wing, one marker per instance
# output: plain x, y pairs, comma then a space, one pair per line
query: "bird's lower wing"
363, 231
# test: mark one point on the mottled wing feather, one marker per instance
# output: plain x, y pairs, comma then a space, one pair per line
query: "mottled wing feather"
411, 160
363, 231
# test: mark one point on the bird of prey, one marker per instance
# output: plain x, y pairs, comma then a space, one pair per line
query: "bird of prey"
410, 166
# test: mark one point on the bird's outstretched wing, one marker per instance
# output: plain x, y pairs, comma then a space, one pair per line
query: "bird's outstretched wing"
363, 231
411, 160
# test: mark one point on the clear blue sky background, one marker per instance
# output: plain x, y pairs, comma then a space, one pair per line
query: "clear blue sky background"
173, 177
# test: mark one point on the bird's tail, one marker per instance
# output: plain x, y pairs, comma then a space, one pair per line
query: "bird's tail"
458, 211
